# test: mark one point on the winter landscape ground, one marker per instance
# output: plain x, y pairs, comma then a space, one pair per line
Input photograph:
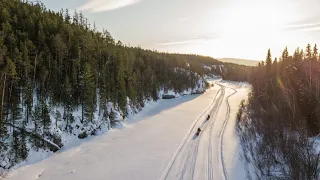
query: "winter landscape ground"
157, 143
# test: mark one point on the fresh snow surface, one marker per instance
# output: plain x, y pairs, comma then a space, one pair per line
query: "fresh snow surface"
214, 154
157, 143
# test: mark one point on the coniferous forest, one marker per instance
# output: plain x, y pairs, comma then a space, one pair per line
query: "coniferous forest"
278, 124
59, 74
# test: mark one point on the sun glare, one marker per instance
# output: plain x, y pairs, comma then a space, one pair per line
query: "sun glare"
247, 29
255, 24
254, 18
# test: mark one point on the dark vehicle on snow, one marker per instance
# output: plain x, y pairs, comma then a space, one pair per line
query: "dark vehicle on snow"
198, 131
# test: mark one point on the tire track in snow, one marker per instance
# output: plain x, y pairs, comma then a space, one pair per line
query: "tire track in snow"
213, 113
195, 159
214, 110
221, 134
190, 161
190, 152
172, 162
184, 165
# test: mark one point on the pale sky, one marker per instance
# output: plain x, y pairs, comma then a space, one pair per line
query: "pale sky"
217, 28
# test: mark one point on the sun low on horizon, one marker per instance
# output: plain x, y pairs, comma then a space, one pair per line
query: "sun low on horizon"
218, 28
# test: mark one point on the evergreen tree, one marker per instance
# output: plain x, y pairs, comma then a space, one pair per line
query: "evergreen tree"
88, 93
269, 60
275, 66
308, 52
46, 121
3, 72
120, 83
297, 58
15, 147
23, 150
37, 126
67, 17
315, 54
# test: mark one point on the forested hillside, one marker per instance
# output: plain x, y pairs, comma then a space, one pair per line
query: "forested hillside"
59, 75
282, 113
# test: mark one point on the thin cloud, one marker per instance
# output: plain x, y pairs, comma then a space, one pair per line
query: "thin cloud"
191, 40
183, 19
311, 29
309, 24
176, 42
106, 5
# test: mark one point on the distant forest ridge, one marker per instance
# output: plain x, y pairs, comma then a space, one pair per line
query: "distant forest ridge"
246, 62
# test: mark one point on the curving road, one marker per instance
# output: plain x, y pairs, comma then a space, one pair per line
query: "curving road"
202, 157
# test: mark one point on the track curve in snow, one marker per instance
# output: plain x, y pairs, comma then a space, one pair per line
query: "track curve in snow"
199, 157
225, 173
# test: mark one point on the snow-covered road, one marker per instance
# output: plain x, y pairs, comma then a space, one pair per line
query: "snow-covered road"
203, 156
159, 142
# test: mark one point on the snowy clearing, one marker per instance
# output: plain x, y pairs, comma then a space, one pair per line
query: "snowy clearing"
157, 143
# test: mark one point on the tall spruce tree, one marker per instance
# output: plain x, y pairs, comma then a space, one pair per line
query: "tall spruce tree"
88, 93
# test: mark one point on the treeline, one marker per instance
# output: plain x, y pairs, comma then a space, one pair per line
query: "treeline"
235, 72
227, 71
282, 113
